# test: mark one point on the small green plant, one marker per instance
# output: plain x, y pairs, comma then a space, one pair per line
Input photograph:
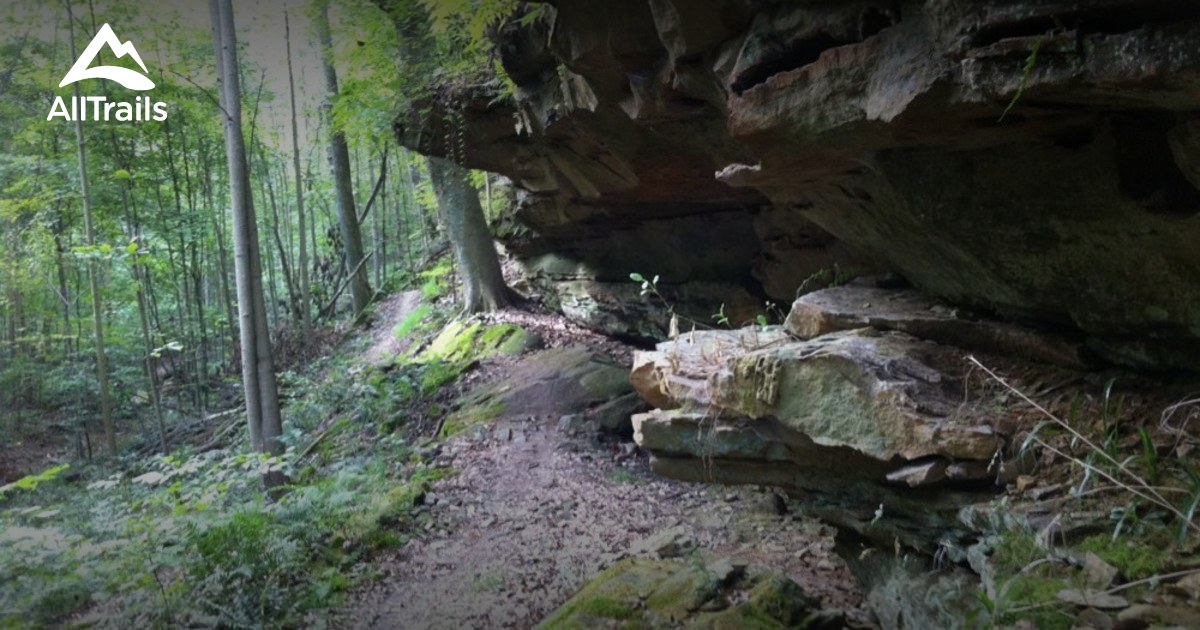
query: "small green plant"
650, 287
1104, 464
721, 318
825, 278
416, 320
1026, 75
1023, 585
436, 280
437, 373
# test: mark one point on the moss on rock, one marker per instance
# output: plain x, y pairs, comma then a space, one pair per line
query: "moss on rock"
642, 593
468, 341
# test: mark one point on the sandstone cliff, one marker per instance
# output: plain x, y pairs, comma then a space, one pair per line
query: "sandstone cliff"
1038, 159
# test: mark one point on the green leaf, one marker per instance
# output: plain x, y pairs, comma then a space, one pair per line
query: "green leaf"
637, 277
122, 174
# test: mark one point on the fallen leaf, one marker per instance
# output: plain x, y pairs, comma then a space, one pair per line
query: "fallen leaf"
1024, 482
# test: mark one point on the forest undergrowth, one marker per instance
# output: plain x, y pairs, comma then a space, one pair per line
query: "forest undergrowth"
191, 538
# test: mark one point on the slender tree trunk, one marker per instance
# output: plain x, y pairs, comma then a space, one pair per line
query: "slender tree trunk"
258, 370
201, 373
148, 362
272, 285
483, 283
429, 227
487, 196
222, 255
139, 276
375, 264
269, 186
339, 158
200, 348
379, 226
110, 431
64, 291
180, 278
403, 196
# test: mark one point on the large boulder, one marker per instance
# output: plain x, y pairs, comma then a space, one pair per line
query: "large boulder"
886, 395
852, 421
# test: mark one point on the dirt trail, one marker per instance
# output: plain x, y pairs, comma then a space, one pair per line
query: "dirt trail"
534, 514
384, 343
533, 511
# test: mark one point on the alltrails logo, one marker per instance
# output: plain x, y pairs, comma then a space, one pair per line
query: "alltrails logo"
142, 109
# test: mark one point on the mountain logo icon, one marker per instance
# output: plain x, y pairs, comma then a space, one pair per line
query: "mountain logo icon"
129, 78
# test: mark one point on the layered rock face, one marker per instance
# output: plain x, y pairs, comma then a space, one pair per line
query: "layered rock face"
860, 405
893, 416
1038, 159
851, 421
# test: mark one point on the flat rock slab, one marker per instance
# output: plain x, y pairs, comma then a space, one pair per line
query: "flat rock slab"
906, 310
553, 383
705, 593
886, 395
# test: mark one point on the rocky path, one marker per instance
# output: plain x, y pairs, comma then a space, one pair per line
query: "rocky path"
535, 513
532, 510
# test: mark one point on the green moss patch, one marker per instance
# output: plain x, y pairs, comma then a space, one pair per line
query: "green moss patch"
641, 593
472, 415
415, 322
1028, 581
1136, 559
467, 341
435, 281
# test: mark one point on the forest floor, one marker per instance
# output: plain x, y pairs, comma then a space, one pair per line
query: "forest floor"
535, 511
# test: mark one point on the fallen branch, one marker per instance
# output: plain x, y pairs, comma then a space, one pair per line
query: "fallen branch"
320, 438
218, 438
378, 186
325, 312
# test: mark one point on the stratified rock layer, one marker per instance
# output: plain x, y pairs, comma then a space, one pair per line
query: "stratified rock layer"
1039, 159
905, 310
853, 421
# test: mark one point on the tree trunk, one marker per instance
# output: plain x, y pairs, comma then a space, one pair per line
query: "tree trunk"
258, 369
483, 283
110, 432
63, 290
339, 158
379, 226
139, 278
303, 269
222, 255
